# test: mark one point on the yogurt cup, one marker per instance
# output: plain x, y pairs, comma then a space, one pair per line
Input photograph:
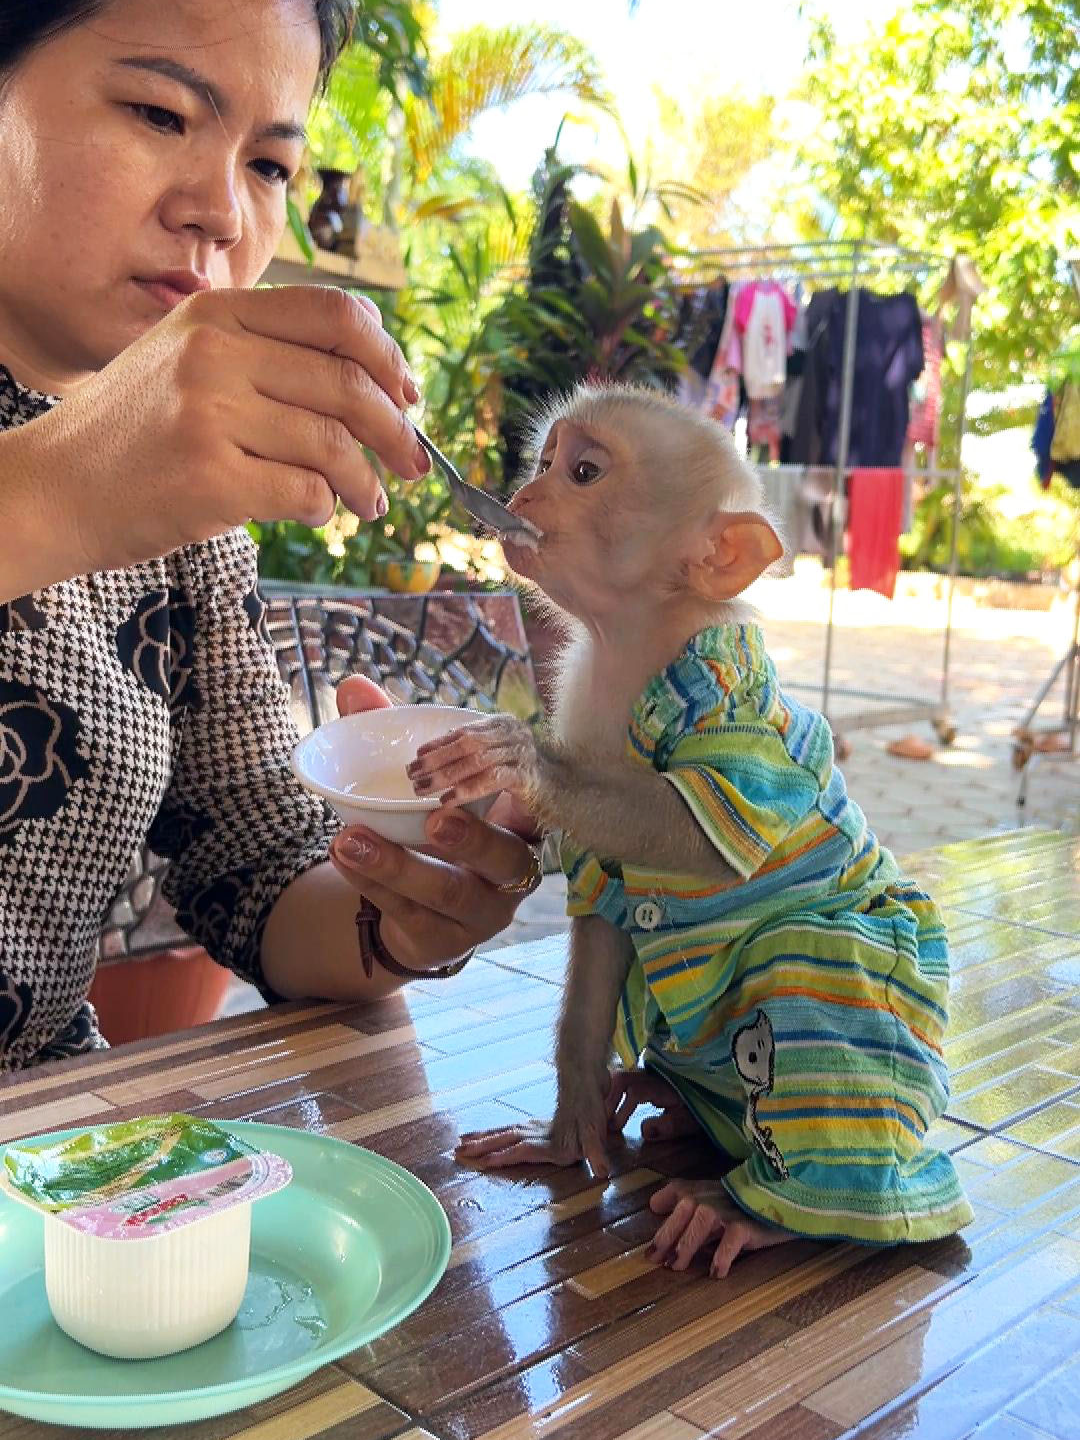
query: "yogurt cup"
147, 1229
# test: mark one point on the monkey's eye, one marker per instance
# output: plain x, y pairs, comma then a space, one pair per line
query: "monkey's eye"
584, 472
542, 465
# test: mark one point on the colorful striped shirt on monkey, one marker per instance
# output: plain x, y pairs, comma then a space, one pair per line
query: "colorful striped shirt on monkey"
800, 1014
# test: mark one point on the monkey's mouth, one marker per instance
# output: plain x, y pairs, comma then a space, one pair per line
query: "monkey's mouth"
522, 540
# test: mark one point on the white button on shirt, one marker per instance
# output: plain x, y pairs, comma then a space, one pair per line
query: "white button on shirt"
647, 915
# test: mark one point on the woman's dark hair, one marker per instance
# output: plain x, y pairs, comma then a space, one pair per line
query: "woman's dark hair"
26, 24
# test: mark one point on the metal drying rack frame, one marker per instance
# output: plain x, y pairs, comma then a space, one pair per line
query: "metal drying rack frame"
1026, 743
816, 262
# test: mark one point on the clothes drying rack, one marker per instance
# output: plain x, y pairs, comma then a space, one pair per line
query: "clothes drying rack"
817, 262
1028, 741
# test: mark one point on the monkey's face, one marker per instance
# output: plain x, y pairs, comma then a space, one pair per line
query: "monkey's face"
586, 496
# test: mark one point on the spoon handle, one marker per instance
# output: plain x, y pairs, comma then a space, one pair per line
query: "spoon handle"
482, 506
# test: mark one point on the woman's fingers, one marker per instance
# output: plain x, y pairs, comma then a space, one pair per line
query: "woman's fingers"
498, 856
417, 935
356, 694
326, 319
342, 389
433, 909
311, 443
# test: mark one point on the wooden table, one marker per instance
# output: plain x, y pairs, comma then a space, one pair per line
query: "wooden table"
550, 1322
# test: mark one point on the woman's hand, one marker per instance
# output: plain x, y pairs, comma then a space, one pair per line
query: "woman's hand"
434, 906
240, 404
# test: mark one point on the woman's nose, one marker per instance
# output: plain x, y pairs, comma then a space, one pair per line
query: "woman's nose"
209, 205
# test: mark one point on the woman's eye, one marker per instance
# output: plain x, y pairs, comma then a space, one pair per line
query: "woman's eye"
584, 472
271, 171
159, 118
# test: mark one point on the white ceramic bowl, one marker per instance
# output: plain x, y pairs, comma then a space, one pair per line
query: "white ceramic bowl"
357, 764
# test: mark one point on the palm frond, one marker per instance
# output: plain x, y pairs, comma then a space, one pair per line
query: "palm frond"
485, 69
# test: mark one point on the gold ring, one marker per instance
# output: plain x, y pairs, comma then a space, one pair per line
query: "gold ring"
529, 882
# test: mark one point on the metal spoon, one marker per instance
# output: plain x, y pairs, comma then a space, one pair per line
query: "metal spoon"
482, 506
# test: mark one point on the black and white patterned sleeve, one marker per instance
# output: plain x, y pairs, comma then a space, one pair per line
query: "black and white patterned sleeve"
235, 824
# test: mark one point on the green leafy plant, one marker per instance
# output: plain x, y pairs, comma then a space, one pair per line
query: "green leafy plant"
988, 543
418, 514
597, 305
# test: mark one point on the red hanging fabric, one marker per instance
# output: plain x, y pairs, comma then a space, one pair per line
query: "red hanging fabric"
875, 515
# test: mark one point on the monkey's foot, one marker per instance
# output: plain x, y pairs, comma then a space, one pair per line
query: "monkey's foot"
700, 1213
631, 1088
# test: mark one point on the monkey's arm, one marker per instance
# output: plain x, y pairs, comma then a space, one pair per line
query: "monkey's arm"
618, 809
600, 957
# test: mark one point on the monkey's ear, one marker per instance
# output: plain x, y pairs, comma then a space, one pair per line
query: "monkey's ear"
732, 553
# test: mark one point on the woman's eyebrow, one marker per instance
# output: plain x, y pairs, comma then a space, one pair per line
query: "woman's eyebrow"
209, 93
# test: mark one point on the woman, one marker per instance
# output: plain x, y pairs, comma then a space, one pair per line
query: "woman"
150, 402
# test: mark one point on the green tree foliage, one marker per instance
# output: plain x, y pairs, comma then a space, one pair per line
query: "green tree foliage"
954, 126
712, 150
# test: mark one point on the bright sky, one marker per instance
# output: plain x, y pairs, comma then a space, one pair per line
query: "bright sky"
689, 48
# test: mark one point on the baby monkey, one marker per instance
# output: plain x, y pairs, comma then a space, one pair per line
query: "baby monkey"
739, 937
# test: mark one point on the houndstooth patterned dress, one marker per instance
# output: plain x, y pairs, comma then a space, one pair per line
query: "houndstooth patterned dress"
139, 704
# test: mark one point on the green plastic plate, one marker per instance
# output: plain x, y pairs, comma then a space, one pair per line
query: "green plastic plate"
341, 1255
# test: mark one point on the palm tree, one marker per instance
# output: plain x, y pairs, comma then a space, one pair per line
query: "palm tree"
405, 144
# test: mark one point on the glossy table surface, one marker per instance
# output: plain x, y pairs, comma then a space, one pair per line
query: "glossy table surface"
550, 1322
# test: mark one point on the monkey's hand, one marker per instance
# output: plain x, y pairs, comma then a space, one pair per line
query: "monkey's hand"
700, 1212
496, 754
575, 1134
631, 1088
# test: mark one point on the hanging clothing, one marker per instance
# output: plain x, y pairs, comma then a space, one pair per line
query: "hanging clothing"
764, 316
781, 494
1042, 439
763, 423
804, 445
926, 391
723, 393
875, 520
888, 357
796, 363
702, 312
1065, 442
729, 350
692, 389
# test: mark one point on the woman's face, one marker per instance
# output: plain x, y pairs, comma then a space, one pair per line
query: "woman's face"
145, 154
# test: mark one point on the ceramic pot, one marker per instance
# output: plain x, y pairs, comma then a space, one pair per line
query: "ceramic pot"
328, 215
406, 577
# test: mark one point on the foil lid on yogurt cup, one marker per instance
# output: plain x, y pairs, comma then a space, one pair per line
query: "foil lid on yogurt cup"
139, 1179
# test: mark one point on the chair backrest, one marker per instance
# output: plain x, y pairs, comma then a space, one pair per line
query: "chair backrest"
445, 648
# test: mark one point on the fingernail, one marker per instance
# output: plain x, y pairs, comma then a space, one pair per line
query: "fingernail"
382, 504
354, 850
410, 389
421, 783
423, 460
450, 829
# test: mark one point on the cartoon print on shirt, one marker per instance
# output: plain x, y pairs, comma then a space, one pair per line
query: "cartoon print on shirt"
754, 1053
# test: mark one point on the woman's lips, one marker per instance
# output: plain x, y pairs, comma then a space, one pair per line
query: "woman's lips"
167, 296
